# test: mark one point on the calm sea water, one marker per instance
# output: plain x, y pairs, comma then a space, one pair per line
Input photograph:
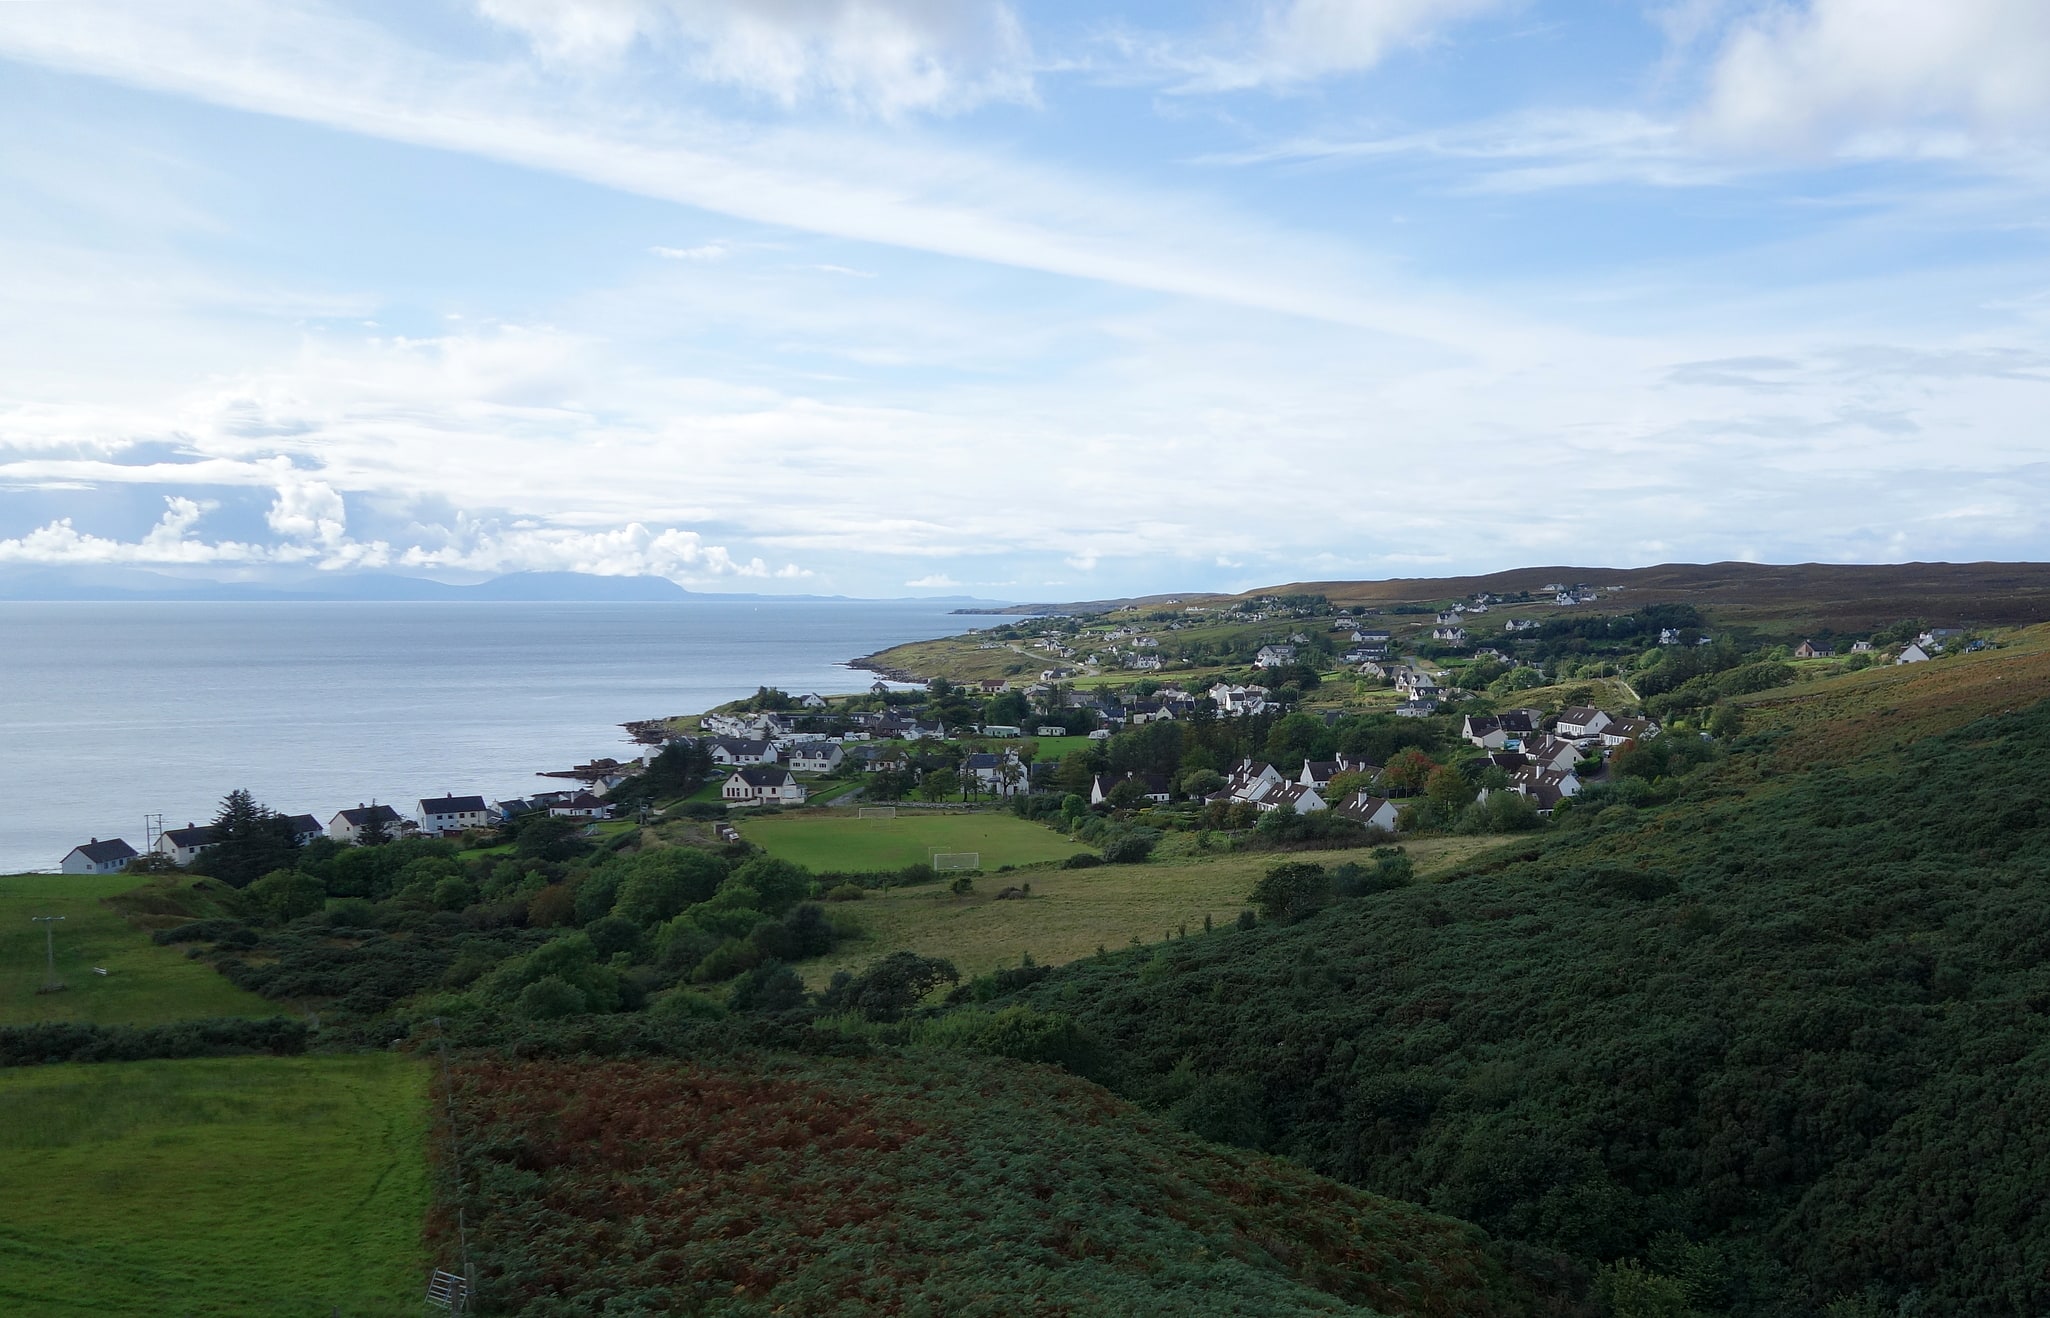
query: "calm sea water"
112, 711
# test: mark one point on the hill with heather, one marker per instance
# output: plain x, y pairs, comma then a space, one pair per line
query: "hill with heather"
1772, 1034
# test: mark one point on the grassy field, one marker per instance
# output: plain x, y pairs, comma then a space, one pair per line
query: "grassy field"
247, 1185
1072, 912
840, 840
145, 984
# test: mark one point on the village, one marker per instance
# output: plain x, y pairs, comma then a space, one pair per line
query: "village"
1336, 678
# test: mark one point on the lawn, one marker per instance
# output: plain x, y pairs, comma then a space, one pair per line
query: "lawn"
145, 984
840, 840
1072, 912
243, 1185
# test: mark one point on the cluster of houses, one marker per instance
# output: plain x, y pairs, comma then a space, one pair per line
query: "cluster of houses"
439, 816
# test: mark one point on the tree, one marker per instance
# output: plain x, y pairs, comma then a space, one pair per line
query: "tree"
777, 884
659, 885
1408, 771
249, 841
891, 986
287, 894
939, 784
1447, 789
375, 832
1290, 892
1127, 794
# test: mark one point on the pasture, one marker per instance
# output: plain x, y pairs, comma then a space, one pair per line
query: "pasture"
144, 985
1070, 913
840, 840
245, 1185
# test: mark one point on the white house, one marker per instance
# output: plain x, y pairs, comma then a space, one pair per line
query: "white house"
1624, 730
1049, 730
583, 805
183, 845
1913, 654
1545, 787
1580, 721
813, 701
1373, 811
347, 826
1420, 708
1861, 647
1156, 790
1449, 635
1273, 656
1000, 730
1293, 796
816, 757
305, 828
1494, 731
97, 857
742, 750
453, 814
998, 775
763, 785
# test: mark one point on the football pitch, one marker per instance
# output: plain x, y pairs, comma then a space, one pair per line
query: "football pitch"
842, 841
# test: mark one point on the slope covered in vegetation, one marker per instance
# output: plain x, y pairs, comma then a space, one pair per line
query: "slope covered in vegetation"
1785, 1038
937, 1184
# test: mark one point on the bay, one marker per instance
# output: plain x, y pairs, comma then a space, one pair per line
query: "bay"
109, 712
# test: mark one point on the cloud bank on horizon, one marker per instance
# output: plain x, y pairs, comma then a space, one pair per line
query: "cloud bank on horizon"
1027, 300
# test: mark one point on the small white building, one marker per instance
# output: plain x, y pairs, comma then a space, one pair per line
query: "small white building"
453, 814
1273, 656
348, 825
1580, 721
742, 750
1049, 730
1373, 811
1913, 654
816, 757
583, 805
183, 845
762, 785
97, 857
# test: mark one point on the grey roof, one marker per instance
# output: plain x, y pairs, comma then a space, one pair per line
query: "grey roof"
763, 776
101, 853
191, 836
304, 824
452, 805
363, 814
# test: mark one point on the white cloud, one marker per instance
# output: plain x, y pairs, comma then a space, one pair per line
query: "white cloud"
887, 57
1300, 41
1082, 562
708, 252
167, 542
936, 581
1882, 76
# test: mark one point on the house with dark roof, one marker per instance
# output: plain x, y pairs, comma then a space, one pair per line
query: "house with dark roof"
305, 828
1368, 809
453, 814
742, 750
815, 757
1619, 731
583, 805
183, 845
348, 825
999, 775
761, 785
1545, 787
97, 857
1578, 721
1152, 786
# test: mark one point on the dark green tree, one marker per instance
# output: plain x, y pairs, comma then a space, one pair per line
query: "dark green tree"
249, 841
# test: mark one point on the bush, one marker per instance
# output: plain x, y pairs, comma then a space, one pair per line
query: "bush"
1130, 846
550, 998
1082, 860
34, 1045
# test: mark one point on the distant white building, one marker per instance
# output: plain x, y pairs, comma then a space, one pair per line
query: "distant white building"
183, 845
348, 825
453, 814
815, 757
97, 857
762, 785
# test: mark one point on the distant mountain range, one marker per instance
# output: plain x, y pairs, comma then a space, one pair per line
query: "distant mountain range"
119, 583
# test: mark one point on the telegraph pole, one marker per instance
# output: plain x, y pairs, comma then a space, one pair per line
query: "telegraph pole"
51, 984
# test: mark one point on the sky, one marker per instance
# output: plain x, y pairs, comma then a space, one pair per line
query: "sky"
1021, 300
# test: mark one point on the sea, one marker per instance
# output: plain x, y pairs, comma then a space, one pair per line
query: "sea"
113, 712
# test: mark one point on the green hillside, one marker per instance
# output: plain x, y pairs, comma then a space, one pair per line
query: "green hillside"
144, 985
1785, 1038
920, 1185
247, 1185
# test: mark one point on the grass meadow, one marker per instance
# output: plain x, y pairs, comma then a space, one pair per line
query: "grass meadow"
244, 1185
1070, 913
145, 984
840, 840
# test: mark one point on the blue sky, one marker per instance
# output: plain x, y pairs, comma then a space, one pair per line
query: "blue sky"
1023, 300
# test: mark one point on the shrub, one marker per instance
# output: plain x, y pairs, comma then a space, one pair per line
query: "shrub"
550, 998
1082, 860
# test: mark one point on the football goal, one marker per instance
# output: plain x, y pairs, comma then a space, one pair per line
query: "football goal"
876, 812
956, 860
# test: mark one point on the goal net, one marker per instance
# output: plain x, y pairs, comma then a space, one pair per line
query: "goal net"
876, 812
956, 860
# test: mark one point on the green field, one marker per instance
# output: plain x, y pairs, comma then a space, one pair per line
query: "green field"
1070, 913
246, 1185
839, 840
145, 984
